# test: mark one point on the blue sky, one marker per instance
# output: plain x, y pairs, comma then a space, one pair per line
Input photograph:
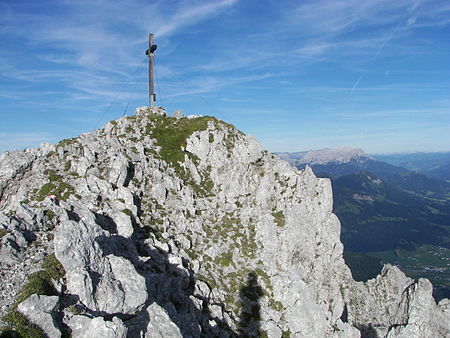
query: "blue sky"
298, 75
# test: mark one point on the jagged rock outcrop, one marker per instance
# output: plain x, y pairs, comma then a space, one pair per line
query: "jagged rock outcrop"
184, 226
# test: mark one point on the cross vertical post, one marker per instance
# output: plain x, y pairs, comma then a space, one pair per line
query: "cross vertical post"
151, 88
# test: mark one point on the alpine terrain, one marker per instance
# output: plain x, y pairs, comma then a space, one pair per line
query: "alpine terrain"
158, 226
389, 212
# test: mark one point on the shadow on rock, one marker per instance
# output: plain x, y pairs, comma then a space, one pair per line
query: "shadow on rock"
249, 323
173, 306
367, 331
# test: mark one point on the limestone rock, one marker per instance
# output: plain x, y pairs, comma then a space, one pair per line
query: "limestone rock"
85, 327
13, 244
103, 281
178, 114
41, 310
418, 315
147, 110
160, 325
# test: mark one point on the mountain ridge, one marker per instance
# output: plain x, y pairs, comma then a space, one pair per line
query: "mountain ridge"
355, 160
323, 156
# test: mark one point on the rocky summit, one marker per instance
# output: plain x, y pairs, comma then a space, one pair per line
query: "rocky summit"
158, 226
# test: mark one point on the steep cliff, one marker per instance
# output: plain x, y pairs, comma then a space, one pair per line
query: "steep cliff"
163, 226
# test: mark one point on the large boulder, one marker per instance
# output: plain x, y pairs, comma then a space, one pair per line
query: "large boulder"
85, 327
95, 270
42, 310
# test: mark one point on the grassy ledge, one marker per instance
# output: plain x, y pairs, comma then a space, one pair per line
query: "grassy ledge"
171, 135
40, 283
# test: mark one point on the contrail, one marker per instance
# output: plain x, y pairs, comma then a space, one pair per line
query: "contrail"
357, 82
387, 39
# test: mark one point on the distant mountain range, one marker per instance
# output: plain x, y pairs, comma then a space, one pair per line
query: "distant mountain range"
335, 163
436, 165
323, 156
385, 207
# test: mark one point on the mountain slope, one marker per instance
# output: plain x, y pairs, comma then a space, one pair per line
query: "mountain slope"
419, 161
441, 172
183, 226
340, 162
336, 169
435, 165
376, 216
421, 185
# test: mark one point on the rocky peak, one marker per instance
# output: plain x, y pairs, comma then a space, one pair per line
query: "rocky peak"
342, 155
324, 156
184, 226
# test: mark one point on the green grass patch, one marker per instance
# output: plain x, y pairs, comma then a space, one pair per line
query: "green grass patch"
127, 212
50, 154
40, 283
3, 232
279, 218
20, 327
61, 190
67, 141
67, 165
171, 134
276, 305
286, 334
225, 259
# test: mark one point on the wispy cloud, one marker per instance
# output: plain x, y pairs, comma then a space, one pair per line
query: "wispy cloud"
187, 15
211, 83
313, 49
85, 43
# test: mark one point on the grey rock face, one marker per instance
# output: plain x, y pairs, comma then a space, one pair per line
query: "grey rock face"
418, 315
144, 110
85, 327
12, 247
159, 323
184, 226
178, 114
41, 311
104, 282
